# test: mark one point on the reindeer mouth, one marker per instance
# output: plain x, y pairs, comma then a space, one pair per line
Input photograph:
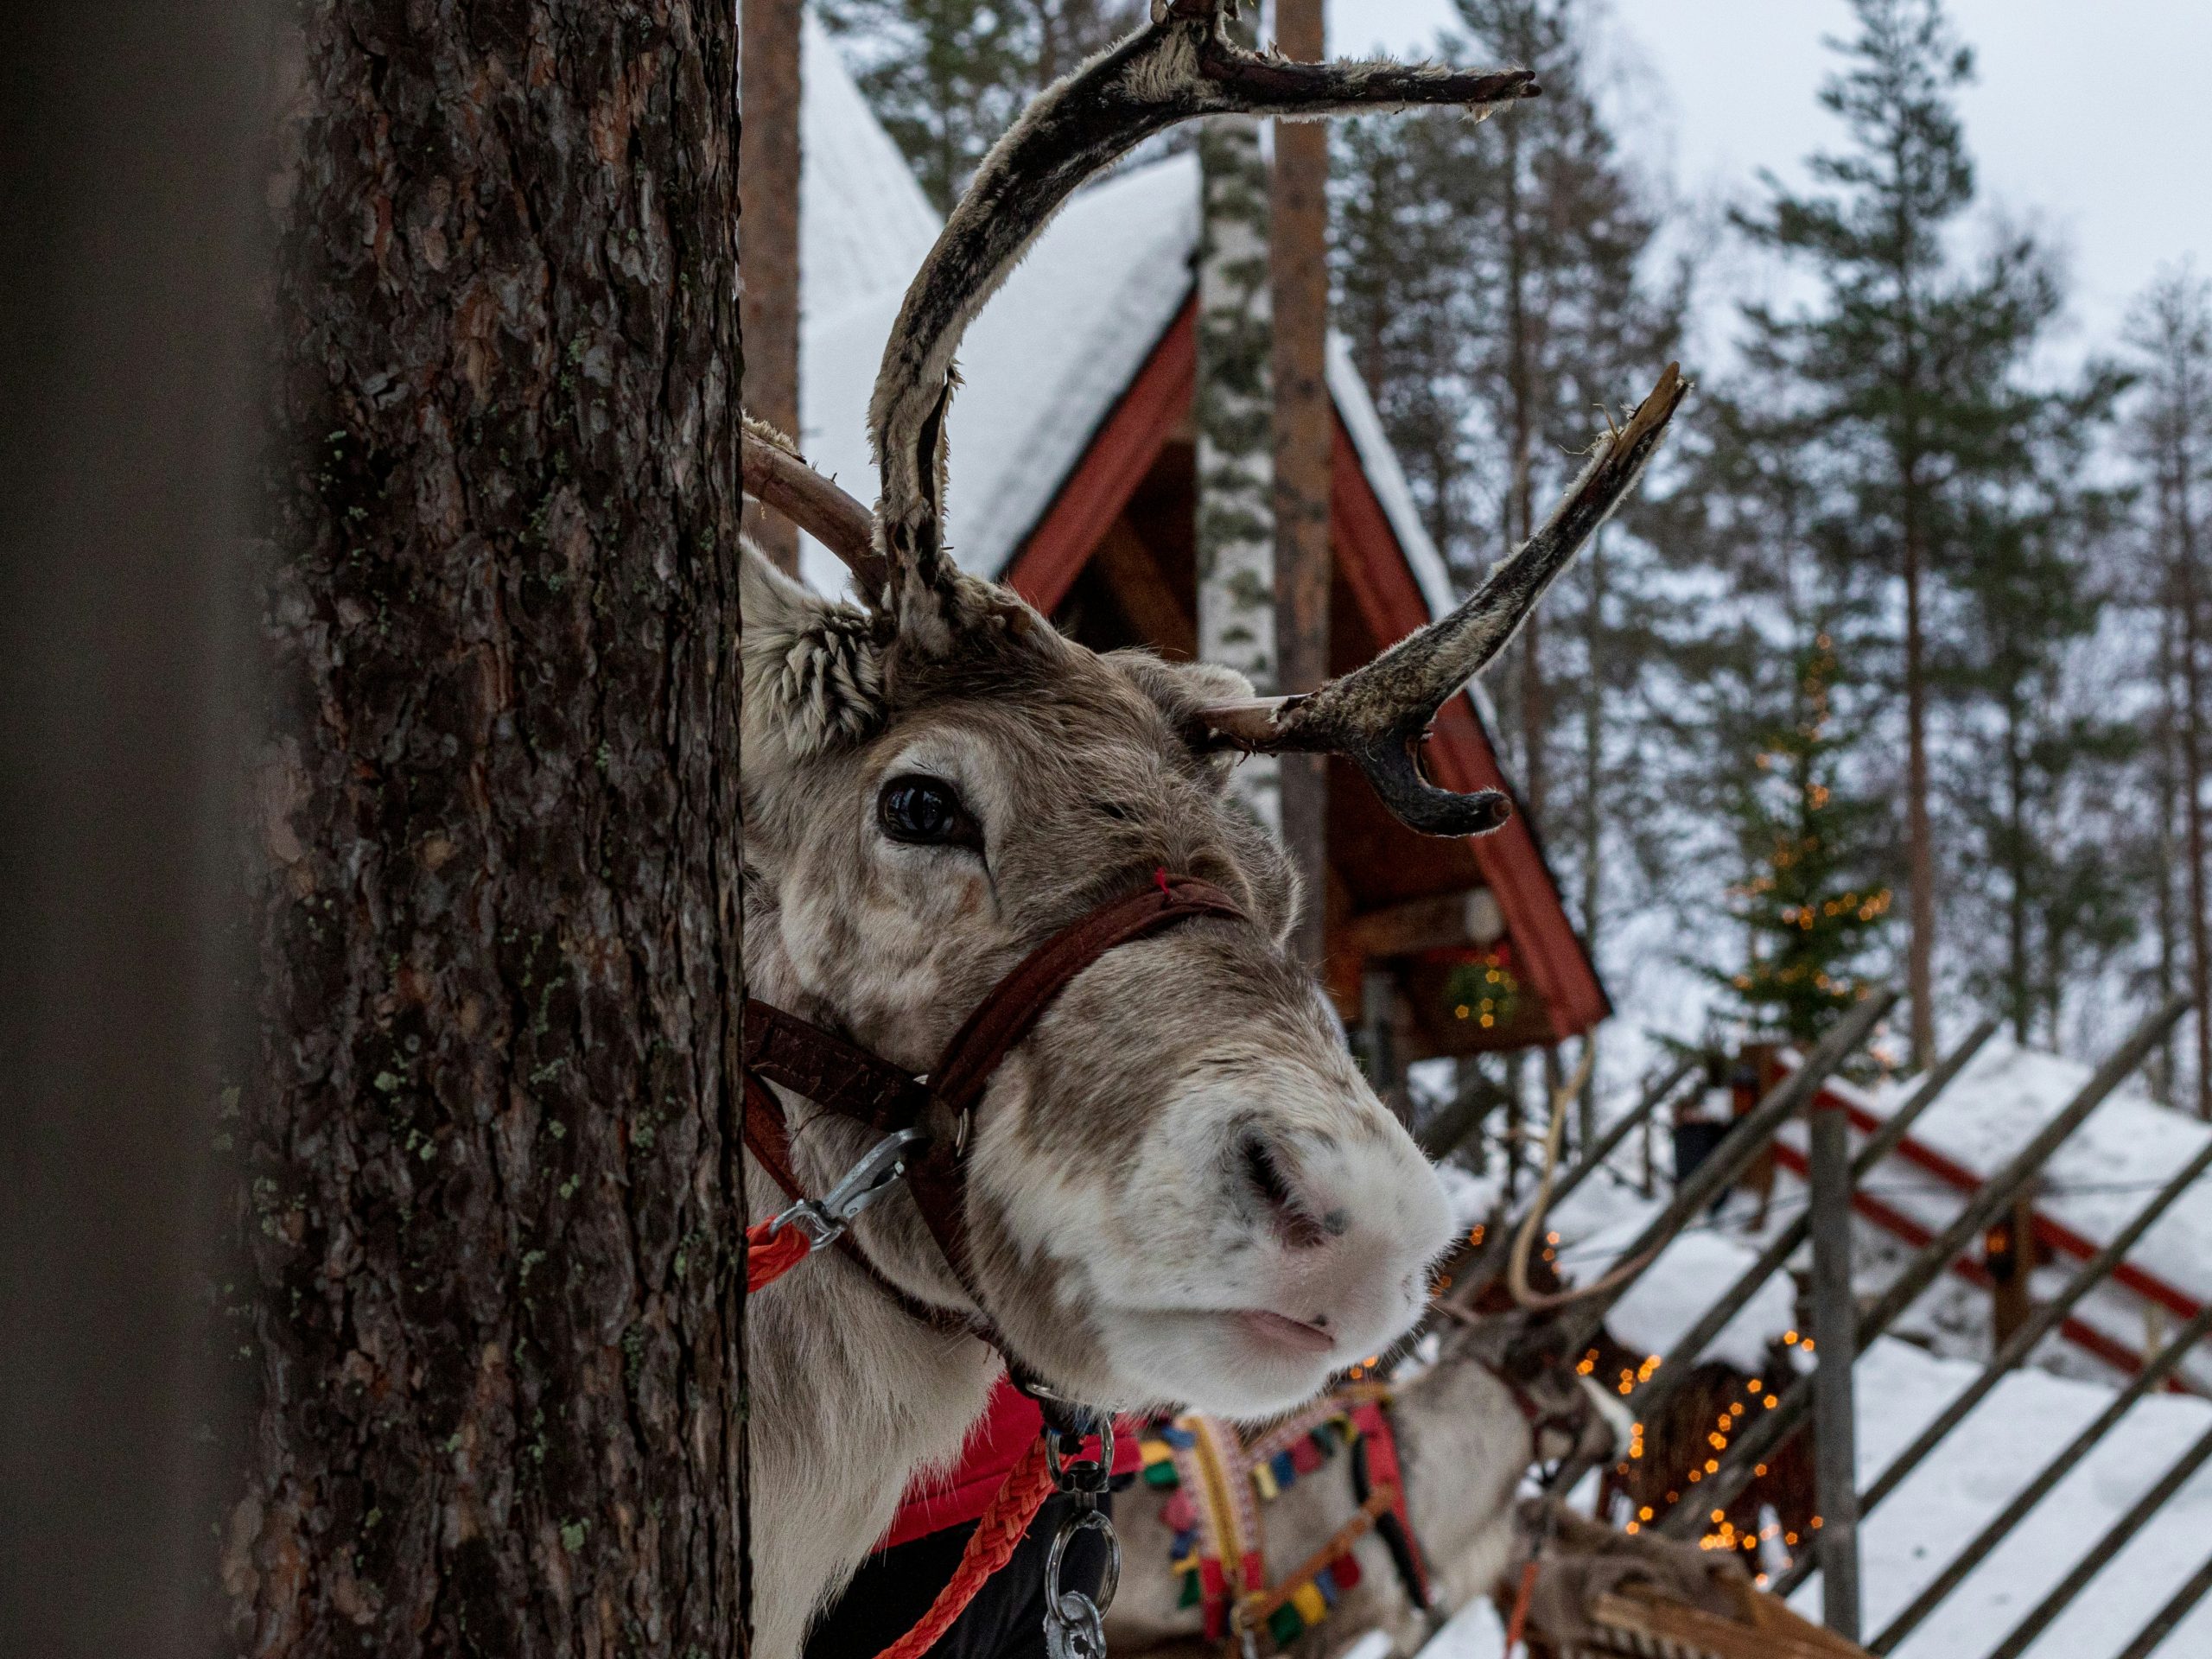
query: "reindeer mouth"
1281, 1332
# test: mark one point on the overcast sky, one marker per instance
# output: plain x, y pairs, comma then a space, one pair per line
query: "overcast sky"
2090, 119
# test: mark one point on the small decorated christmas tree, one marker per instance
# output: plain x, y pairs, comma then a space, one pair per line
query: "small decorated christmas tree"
1813, 909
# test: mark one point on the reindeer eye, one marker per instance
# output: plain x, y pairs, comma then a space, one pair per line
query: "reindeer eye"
925, 812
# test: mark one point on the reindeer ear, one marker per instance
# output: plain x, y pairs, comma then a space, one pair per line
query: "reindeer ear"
1184, 690
813, 671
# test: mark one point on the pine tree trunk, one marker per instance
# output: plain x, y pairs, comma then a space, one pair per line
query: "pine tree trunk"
489, 1201
1920, 852
768, 169
1521, 521
1305, 438
2019, 994
1594, 779
2166, 769
1236, 527
2188, 584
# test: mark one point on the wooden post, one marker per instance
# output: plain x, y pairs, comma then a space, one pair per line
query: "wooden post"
768, 173
2009, 1253
1835, 1319
128, 191
1379, 1037
1305, 431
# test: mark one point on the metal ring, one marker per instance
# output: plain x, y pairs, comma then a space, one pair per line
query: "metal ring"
1102, 1468
1085, 1521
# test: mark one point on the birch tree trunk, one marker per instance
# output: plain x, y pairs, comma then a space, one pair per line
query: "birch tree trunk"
1236, 431
491, 1306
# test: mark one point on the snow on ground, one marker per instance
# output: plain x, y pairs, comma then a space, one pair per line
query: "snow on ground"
2102, 1175
1474, 1632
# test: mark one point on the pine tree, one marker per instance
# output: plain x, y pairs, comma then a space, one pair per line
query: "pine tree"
1811, 907
2021, 666
1407, 253
1770, 673
947, 77
1904, 365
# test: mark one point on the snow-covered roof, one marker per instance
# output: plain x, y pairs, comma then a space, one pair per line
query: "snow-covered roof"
874, 223
1045, 363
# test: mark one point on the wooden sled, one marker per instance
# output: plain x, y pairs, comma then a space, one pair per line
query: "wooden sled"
1639, 1621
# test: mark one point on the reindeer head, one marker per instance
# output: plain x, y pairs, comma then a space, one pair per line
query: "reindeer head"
1179, 1187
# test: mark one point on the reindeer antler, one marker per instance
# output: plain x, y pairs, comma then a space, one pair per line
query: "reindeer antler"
1181, 67
1376, 714
774, 472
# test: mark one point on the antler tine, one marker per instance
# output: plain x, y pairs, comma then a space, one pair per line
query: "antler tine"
1376, 714
775, 475
1180, 66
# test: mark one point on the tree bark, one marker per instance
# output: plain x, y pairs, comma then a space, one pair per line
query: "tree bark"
768, 169
1521, 497
1304, 436
2020, 992
2167, 767
126, 295
489, 1186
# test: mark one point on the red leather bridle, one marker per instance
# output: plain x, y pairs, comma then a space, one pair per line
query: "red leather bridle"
848, 1080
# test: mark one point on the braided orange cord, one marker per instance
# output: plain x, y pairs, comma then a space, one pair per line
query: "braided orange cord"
1518, 1624
1013, 1507
769, 1256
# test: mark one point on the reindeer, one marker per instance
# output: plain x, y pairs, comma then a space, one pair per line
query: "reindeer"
1164, 1181
1468, 1427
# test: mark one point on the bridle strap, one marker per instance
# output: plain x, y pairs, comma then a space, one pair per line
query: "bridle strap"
831, 1071
846, 1079
938, 1179
1016, 1003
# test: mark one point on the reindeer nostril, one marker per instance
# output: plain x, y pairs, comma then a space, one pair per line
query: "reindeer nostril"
1263, 1173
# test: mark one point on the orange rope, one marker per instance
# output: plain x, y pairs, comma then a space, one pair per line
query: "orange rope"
1013, 1507
769, 1256
1515, 1626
